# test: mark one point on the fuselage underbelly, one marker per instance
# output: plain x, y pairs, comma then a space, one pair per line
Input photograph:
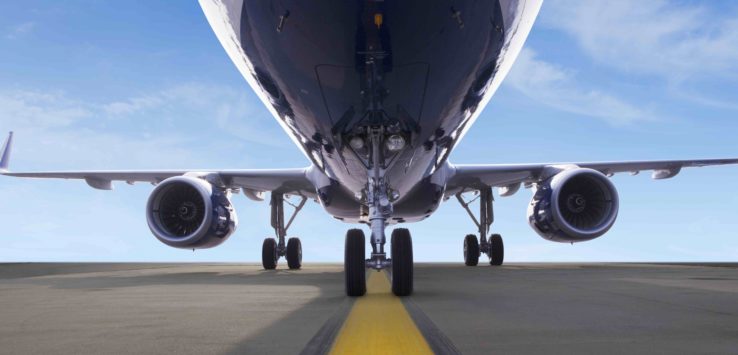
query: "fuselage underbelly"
325, 68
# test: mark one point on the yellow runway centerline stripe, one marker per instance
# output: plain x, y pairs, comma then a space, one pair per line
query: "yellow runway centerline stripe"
379, 324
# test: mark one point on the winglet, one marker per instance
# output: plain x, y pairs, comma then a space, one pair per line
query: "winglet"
5, 153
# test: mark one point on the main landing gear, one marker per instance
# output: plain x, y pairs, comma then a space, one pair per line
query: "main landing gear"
273, 249
473, 247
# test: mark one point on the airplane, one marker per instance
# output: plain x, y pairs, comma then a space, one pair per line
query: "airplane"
376, 94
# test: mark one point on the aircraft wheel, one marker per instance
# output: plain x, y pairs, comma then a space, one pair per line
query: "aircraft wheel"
471, 250
402, 262
269, 254
497, 250
354, 264
294, 253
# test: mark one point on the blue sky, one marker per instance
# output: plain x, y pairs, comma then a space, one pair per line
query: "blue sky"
146, 85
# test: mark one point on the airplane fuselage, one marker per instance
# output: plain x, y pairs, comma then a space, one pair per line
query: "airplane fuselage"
329, 69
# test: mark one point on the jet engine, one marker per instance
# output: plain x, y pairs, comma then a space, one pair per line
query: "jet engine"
190, 213
574, 205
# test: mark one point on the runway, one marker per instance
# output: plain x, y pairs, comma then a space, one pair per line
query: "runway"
239, 308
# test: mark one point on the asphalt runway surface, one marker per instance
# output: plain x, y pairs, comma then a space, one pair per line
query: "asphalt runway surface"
240, 308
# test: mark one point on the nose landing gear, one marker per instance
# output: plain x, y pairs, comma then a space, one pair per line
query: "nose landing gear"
401, 263
493, 247
380, 211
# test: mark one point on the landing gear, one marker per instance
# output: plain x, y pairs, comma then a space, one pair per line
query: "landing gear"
294, 253
402, 262
378, 198
354, 264
273, 249
497, 250
269, 254
494, 248
471, 250
354, 267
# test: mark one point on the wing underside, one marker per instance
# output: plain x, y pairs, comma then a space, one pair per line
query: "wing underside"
303, 181
295, 181
508, 177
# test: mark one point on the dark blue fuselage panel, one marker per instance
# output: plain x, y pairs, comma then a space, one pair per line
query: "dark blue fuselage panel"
327, 67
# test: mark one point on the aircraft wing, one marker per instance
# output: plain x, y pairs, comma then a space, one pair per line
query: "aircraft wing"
252, 181
509, 176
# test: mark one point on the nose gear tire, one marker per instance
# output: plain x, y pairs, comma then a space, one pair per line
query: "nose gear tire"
402, 262
354, 264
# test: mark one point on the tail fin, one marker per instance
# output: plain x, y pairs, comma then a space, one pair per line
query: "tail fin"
5, 153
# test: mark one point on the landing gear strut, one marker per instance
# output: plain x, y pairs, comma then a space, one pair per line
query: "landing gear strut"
380, 211
377, 140
493, 247
273, 249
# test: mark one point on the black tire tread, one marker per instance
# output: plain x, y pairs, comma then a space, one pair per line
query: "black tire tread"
497, 250
402, 262
294, 253
354, 265
471, 258
268, 254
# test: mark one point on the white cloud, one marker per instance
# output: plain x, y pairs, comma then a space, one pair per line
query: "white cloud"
182, 96
132, 105
557, 87
34, 109
227, 108
674, 40
20, 30
171, 126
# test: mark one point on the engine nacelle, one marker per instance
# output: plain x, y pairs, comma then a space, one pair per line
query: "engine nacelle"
190, 213
574, 205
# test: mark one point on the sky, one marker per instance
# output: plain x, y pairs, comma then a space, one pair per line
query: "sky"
146, 85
